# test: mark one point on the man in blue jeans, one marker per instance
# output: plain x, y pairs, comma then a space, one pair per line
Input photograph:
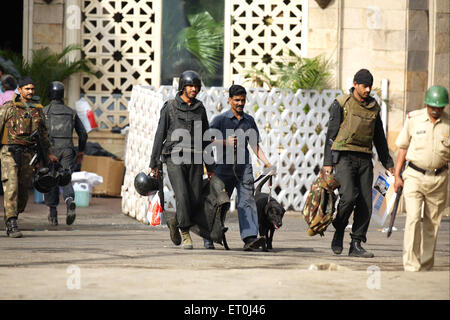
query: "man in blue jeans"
234, 130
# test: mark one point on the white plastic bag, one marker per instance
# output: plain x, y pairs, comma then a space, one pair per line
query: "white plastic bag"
154, 209
91, 178
85, 114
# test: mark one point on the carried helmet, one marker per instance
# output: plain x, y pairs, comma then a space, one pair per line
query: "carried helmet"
56, 90
189, 78
44, 180
38, 186
436, 96
63, 176
145, 184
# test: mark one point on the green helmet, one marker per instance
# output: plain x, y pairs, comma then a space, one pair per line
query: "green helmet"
436, 96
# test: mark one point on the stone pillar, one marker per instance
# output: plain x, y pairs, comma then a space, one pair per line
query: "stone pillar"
27, 38
48, 25
440, 52
72, 35
440, 43
324, 35
417, 54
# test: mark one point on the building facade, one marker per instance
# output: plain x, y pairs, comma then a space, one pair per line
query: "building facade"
405, 42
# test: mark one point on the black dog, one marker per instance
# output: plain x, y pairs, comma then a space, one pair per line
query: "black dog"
270, 213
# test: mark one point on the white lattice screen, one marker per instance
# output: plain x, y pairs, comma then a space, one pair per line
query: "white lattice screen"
259, 32
121, 38
292, 128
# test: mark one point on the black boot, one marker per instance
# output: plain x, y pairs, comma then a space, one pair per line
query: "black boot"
174, 231
337, 243
252, 243
357, 251
70, 211
12, 230
53, 216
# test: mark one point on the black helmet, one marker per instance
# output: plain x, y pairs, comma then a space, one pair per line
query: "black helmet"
56, 90
39, 187
145, 184
44, 180
189, 78
63, 176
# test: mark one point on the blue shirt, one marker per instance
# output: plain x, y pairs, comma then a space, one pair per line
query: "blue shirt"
226, 124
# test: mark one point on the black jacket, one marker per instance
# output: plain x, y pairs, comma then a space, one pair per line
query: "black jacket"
163, 130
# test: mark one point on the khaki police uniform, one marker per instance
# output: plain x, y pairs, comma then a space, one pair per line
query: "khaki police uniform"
428, 149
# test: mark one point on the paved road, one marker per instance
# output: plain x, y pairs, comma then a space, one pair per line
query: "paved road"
107, 255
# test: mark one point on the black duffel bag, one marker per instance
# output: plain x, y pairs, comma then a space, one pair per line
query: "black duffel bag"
210, 220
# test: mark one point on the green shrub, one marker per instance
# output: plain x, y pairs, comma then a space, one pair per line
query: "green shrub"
203, 39
46, 66
294, 72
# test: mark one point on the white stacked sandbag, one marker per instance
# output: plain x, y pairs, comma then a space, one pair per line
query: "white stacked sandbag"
144, 109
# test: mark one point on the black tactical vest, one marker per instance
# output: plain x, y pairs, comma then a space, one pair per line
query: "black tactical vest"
185, 130
60, 121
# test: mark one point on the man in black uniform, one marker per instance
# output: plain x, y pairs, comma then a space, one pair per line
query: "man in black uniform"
61, 121
179, 139
355, 124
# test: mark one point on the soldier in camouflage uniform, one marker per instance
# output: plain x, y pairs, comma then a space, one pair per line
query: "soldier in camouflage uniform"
19, 118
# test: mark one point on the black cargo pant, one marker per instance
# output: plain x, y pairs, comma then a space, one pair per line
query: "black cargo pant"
187, 183
66, 157
354, 171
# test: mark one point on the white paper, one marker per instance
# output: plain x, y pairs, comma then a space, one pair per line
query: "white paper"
383, 195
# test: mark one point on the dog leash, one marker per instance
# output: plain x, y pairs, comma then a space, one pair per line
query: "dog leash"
265, 173
235, 160
270, 189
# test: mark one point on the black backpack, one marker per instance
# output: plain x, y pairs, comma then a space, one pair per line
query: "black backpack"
210, 220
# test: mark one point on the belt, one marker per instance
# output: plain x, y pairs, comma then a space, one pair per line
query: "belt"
430, 172
21, 147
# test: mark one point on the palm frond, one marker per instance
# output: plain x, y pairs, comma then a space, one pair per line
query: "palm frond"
303, 73
259, 78
46, 66
203, 39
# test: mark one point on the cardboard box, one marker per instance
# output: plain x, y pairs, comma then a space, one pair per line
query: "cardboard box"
111, 170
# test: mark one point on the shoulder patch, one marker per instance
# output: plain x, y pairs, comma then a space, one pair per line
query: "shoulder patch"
8, 103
